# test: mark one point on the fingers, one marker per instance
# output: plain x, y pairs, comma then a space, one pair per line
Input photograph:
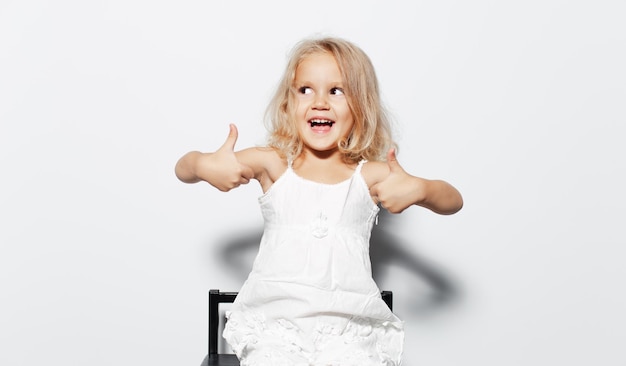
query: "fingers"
388, 192
378, 195
245, 172
231, 139
374, 192
391, 155
392, 161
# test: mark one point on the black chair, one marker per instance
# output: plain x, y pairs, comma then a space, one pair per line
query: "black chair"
224, 359
214, 358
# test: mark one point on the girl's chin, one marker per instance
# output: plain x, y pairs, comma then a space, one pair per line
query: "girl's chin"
320, 141
319, 148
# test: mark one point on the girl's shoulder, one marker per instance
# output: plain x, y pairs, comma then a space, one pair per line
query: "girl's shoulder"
259, 155
266, 162
374, 172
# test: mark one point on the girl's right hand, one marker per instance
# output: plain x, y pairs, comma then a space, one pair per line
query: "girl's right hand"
221, 168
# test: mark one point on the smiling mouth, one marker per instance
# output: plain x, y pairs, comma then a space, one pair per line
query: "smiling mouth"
321, 122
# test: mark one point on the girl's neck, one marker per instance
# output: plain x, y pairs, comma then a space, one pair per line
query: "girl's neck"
323, 167
322, 157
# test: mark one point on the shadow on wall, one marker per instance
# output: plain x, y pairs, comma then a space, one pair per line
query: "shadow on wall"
386, 250
439, 290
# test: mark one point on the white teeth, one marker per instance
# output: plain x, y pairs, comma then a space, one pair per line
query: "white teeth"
316, 120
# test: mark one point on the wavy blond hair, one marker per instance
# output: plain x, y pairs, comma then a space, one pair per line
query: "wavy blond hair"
370, 137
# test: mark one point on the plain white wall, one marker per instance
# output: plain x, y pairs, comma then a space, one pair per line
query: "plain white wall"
106, 258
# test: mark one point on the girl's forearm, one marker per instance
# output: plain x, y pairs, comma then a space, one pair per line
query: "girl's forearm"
441, 197
186, 167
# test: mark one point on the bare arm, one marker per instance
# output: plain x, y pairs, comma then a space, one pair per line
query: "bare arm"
440, 197
221, 169
400, 190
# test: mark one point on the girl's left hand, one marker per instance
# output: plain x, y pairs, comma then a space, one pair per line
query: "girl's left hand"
399, 190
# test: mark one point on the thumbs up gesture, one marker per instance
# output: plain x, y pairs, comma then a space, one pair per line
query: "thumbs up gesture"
221, 169
398, 190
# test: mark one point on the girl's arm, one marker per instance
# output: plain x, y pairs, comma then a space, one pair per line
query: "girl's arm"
399, 190
222, 169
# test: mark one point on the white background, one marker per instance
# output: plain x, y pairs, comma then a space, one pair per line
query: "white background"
106, 258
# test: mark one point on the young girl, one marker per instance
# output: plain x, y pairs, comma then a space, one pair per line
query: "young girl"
330, 161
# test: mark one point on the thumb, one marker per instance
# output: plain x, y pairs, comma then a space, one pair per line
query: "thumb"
231, 139
392, 161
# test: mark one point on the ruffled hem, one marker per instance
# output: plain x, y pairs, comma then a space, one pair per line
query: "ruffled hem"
324, 340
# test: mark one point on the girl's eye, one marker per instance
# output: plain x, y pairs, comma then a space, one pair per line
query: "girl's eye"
336, 91
305, 90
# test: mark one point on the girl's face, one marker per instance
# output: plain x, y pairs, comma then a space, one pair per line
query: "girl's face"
322, 114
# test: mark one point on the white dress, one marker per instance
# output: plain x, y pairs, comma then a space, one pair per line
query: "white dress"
310, 298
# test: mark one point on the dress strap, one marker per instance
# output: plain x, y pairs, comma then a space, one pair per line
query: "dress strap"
358, 167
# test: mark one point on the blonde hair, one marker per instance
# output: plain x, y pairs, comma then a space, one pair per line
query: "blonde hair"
370, 137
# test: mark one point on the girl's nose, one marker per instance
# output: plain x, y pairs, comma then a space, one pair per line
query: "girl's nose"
320, 102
